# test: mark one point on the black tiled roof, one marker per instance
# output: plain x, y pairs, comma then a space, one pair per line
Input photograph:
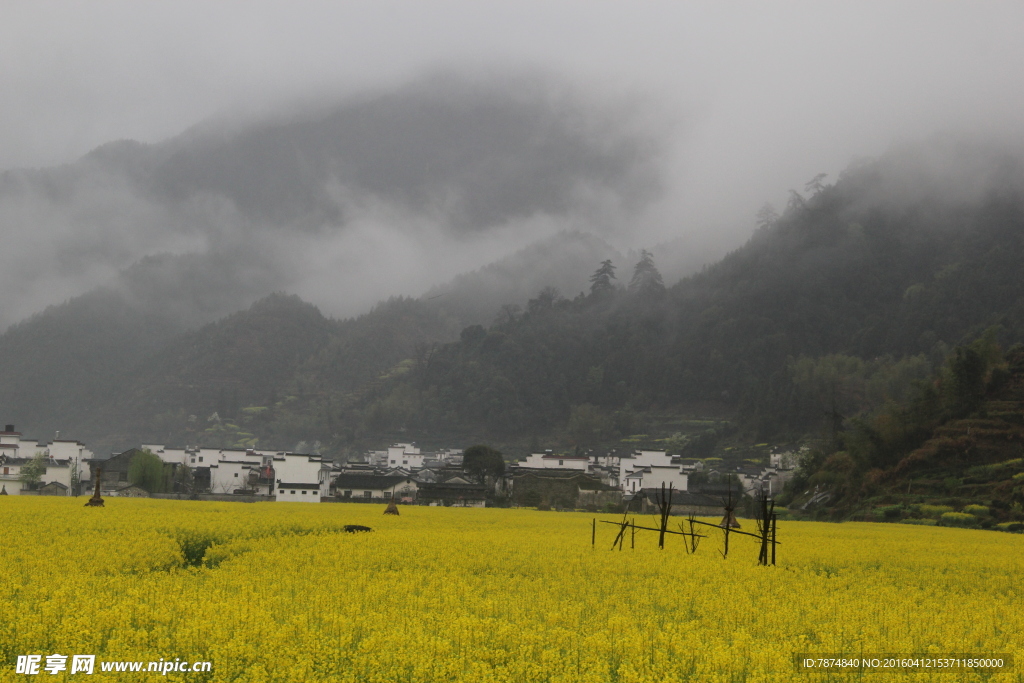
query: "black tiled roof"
368, 481
684, 498
452, 491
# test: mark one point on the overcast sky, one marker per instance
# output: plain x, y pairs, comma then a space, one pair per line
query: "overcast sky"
770, 93
762, 96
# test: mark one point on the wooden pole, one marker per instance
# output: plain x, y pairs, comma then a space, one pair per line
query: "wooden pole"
621, 536
593, 533
775, 519
764, 526
667, 531
666, 508
728, 521
632, 538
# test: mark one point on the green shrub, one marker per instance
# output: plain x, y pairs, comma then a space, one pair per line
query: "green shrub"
1016, 527
194, 545
923, 522
961, 519
977, 510
934, 511
888, 513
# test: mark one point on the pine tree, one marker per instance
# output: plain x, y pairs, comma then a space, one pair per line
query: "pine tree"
601, 280
767, 216
646, 278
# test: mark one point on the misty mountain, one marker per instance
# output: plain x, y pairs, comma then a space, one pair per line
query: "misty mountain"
480, 153
315, 199
95, 361
564, 262
96, 369
880, 274
63, 362
904, 256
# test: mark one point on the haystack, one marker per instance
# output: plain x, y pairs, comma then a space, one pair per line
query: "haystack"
729, 520
96, 501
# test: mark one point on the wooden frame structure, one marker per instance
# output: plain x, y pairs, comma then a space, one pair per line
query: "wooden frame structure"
767, 526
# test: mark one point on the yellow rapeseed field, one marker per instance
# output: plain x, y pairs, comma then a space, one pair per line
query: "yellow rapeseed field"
444, 594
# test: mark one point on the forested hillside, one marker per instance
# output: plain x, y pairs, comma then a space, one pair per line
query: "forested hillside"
955, 440
831, 311
874, 277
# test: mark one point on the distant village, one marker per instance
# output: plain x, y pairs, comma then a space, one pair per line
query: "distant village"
606, 481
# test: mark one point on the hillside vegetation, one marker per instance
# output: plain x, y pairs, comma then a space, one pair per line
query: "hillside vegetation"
953, 452
831, 312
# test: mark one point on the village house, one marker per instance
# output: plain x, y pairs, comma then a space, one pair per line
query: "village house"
768, 480
231, 476
651, 469
409, 458
453, 493
557, 487
171, 456
115, 472
301, 477
551, 460
55, 478
597, 494
647, 501
604, 467
406, 456
368, 487
63, 458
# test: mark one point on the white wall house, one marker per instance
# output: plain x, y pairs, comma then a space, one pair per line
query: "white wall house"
638, 459
248, 455
171, 456
57, 471
226, 476
634, 481
550, 460
405, 456
452, 456
650, 469
769, 480
63, 456
673, 476
300, 472
609, 460
375, 487
297, 493
785, 459
203, 457
654, 477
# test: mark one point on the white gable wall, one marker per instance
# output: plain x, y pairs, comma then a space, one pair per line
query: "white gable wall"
228, 475
656, 476
295, 468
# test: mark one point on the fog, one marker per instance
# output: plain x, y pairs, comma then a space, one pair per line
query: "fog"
652, 124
